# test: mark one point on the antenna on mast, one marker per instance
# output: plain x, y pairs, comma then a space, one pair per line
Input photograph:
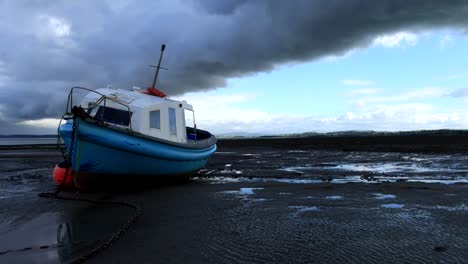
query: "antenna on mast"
158, 67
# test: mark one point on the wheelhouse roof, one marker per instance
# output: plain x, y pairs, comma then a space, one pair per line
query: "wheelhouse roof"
135, 98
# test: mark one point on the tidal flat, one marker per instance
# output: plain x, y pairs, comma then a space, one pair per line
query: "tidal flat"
251, 204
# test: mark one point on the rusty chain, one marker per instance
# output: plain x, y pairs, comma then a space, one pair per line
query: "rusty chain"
138, 211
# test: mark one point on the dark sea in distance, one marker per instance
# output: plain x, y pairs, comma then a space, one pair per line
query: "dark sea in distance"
26, 141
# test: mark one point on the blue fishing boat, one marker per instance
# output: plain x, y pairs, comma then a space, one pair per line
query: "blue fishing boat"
116, 133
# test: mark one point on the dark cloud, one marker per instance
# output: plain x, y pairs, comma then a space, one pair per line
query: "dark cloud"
224, 7
47, 47
11, 128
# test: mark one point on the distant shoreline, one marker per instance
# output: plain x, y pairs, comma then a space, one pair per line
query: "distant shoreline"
348, 133
28, 136
403, 142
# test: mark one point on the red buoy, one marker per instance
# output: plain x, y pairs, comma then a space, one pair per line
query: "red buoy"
155, 92
59, 174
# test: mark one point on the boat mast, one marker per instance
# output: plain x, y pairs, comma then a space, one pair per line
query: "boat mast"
158, 67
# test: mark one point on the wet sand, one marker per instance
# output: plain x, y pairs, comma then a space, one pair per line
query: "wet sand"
252, 204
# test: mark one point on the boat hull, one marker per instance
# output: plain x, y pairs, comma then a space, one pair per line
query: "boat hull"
103, 151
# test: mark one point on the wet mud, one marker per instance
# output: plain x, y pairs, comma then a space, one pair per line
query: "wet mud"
249, 205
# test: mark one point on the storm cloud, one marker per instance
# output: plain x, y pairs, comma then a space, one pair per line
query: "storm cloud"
48, 46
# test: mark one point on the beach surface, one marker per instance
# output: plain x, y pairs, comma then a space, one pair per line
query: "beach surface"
252, 204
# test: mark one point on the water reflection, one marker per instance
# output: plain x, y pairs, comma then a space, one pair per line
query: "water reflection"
66, 237
73, 230
87, 228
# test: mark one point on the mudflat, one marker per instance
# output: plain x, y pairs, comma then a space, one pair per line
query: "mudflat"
254, 203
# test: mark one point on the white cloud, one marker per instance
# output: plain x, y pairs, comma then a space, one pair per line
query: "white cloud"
364, 91
427, 92
118, 5
3, 80
459, 92
222, 109
445, 41
399, 39
2, 116
398, 117
2, 67
42, 123
54, 28
457, 76
3, 74
417, 94
340, 57
405, 111
357, 82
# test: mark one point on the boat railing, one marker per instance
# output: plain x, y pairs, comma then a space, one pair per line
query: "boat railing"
101, 100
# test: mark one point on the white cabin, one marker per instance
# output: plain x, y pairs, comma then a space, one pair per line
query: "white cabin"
149, 115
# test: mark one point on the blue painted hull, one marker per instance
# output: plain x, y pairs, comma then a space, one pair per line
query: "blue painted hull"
105, 151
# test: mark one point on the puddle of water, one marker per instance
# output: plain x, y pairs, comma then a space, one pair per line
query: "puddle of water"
229, 170
296, 170
303, 209
259, 200
392, 168
334, 197
349, 179
297, 151
248, 191
220, 180
377, 167
381, 196
392, 206
454, 181
461, 207
242, 191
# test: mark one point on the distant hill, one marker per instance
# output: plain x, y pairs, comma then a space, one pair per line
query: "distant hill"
367, 133
446, 132
239, 135
423, 141
28, 136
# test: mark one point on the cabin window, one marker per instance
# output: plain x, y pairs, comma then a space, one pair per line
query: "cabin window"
189, 118
190, 124
114, 116
172, 121
155, 119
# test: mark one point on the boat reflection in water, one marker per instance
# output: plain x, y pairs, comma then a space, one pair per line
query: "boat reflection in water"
87, 229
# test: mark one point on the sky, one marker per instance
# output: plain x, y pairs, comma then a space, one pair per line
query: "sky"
247, 66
